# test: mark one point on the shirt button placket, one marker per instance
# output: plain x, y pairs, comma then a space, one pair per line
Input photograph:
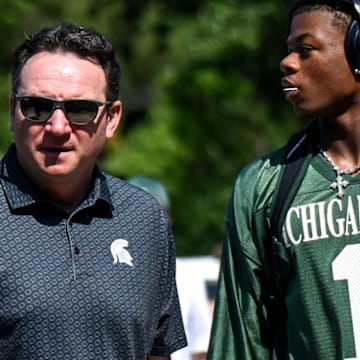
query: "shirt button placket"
74, 250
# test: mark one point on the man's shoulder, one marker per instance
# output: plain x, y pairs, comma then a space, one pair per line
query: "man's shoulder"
123, 191
255, 184
257, 181
272, 161
263, 168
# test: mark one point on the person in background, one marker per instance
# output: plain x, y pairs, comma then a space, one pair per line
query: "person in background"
87, 261
191, 288
212, 284
195, 311
294, 293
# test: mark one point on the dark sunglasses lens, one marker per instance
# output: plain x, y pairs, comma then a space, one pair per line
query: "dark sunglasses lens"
36, 109
81, 112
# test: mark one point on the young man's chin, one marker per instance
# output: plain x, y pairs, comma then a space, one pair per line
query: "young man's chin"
304, 114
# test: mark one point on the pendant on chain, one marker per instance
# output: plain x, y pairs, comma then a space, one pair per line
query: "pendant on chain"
339, 183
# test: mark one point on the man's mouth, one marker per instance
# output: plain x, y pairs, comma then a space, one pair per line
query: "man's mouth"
55, 150
290, 89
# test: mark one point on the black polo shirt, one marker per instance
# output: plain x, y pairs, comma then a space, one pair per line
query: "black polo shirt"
96, 284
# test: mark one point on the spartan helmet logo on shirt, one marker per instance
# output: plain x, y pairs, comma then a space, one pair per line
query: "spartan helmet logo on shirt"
119, 253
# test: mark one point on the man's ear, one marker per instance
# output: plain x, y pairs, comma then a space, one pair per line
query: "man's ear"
113, 118
12, 105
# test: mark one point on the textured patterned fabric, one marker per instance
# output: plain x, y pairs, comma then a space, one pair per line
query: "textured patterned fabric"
97, 284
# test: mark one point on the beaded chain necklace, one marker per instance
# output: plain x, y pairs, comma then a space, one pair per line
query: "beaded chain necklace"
340, 183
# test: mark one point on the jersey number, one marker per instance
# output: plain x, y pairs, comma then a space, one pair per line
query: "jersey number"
346, 266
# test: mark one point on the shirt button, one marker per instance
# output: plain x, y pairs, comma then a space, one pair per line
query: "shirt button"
77, 250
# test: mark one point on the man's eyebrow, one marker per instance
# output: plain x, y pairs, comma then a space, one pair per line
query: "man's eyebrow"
299, 38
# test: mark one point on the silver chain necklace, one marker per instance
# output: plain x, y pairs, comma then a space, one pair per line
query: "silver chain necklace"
340, 183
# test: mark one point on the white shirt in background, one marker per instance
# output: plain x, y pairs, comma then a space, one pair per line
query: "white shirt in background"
195, 310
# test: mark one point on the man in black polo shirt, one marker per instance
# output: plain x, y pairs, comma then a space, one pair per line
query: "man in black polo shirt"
87, 261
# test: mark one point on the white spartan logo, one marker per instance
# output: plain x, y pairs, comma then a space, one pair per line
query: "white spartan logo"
119, 253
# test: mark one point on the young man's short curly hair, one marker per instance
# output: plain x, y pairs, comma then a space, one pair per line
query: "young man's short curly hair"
343, 10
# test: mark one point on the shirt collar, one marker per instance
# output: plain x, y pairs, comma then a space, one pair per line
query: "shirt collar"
20, 192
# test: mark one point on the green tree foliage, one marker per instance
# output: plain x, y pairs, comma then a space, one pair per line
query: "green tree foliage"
217, 105
200, 89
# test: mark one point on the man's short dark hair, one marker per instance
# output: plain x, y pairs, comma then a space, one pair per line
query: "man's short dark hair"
338, 7
66, 37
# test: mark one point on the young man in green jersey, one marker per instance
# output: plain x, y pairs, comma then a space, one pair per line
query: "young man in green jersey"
296, 295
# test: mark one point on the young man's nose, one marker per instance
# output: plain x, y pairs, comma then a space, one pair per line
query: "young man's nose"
289, 64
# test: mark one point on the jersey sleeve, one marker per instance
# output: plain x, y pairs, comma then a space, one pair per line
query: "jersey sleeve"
240, 329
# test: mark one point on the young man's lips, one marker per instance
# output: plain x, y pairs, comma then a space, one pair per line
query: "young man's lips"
290, 88
290, 91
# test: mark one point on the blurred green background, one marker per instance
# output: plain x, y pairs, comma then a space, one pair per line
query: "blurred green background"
200, 89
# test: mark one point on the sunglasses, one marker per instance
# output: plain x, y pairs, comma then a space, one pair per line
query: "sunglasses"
40, 109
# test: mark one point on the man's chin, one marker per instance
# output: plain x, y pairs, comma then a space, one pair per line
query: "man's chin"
304, 114
56, 170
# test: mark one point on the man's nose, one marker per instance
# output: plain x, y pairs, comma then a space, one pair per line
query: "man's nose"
289, 64
58, 124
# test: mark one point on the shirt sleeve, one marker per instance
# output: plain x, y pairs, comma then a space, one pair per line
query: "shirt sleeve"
240, 330
171, 334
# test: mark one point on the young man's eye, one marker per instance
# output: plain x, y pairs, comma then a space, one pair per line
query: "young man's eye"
305, 50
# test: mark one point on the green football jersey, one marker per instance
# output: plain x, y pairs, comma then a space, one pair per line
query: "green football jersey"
321, 237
